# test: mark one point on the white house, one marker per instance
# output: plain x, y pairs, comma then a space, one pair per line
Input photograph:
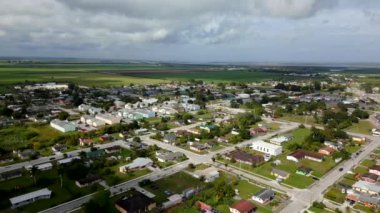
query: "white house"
137, 163
30, 197
41, 167
108, 118
146, 113
191, 107
67, 160
267, 148
94, 110
150, 101
84, 107
209, 174
279, 140
63, 126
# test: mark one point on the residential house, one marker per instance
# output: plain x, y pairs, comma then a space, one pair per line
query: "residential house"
301, 154
84, 107
62, 126
40, 167
94, 110
137, 163
113, 149
326, 150
168, 156
367, 188
11, 174
194, 131
27, 154
136, 202
358, 140
59, 147
169, 138
375, 170
264, 196
243, 206
209, 174
203, 207
172, 201
267, 148
190, 107
67, 160
334, 145
244, 157
30, 197
369, 177
88, 181
85, 142
198, 147
108, 118
207, 127
279, 140
281, 174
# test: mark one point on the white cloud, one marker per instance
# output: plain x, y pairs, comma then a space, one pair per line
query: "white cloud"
102, 28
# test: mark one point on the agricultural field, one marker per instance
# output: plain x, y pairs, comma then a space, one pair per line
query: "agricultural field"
110, 74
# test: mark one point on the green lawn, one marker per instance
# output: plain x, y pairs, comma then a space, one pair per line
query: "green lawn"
363, 127
335, 194
360, 170
299, 136
363, 208
368, 163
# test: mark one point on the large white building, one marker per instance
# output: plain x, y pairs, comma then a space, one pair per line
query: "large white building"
30, 197
108, 118
63, 126
266, 148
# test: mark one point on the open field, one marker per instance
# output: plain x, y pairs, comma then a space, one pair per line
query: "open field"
363, 127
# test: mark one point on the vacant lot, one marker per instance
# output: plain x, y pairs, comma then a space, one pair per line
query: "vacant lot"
23, 136
174, 184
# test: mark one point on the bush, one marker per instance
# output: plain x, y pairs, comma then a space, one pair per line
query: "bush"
301, 126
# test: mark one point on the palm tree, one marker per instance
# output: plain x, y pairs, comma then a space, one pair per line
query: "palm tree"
60, 172
33, 172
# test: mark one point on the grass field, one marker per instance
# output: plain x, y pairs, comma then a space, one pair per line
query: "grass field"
16, 137
363, 127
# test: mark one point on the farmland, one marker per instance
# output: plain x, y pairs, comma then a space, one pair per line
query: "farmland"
106, 75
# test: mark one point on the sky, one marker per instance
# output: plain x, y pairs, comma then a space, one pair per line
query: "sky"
260, 31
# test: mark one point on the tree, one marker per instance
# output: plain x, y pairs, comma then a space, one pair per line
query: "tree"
137, 139
33, 172
191, 166
63, 115
99, 203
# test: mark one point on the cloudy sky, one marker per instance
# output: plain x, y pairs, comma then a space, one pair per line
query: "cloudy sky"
193, 30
